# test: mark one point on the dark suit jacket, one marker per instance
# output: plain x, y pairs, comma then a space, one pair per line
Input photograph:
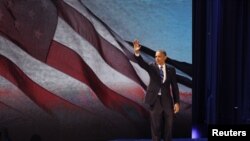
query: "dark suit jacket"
155, 84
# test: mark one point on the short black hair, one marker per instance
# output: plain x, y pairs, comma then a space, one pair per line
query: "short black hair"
162, 51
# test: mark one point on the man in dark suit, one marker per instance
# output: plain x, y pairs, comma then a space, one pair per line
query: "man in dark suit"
161, 102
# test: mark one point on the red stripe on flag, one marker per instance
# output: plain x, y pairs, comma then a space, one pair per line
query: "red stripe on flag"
74, 66
43, 98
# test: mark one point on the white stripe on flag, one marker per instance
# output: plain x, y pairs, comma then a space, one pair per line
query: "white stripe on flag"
110, 77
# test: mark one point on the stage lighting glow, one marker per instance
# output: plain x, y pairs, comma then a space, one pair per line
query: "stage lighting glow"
195, 133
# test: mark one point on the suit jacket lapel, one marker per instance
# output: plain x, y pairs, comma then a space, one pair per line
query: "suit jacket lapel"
167, 70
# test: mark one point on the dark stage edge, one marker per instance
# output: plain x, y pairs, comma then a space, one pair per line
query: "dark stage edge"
184, 139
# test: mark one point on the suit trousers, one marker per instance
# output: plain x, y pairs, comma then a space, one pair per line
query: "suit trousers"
161, 119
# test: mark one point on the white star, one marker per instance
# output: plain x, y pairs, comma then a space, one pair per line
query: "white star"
9, 3
17, 24
44, 4
38, 34
31, 14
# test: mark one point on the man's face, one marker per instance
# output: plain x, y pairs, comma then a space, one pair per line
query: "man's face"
160, 58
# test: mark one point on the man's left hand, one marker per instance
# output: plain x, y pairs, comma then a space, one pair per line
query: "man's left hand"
176, 108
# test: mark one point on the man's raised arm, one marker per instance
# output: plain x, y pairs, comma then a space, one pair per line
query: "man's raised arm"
138, 57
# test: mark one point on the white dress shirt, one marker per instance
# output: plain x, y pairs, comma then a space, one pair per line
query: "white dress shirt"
164, 75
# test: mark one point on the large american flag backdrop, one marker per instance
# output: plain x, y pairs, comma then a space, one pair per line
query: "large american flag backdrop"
65, 75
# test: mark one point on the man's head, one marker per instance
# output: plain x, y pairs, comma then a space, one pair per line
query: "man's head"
160, 57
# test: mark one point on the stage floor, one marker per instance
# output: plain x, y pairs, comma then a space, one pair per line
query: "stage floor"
182, 139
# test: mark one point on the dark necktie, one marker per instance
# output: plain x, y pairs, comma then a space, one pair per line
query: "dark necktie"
161, 74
